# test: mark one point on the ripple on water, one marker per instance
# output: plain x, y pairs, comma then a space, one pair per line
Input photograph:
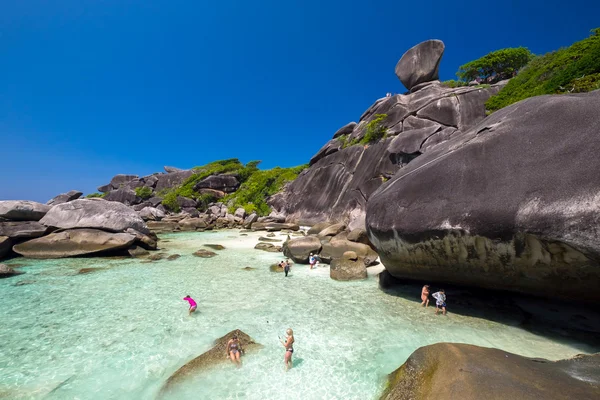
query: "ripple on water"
119, 331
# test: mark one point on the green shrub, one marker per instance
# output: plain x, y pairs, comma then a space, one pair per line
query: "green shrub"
570, 69
496, 66
144, 192
454, 84
375, 130
252, 194
94, 195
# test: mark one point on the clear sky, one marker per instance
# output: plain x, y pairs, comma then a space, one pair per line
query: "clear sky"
93, 88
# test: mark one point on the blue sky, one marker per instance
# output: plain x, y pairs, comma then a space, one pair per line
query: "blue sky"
92, 88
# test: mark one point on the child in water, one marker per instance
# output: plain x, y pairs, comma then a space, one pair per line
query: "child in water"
440, 301
193, 304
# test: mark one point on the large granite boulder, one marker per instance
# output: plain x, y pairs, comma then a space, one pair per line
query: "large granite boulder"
94, 213
22, 210
151, 214
5, 246
420, 64
462, 371
167, 181
65, 197
224, 183
210, 359
117, 182
493, 208
333, 230
22, 229
346, 268
336, 249
299, 249
125, 195
75, 242
250, 219
186, 202
194, 224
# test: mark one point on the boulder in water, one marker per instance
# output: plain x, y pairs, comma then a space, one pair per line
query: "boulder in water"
6, 271
299, 249
205, 253
347, 269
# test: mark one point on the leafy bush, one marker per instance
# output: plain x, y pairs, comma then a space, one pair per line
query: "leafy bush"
94, 195
454, 84
496, 66
571, 69
375, 130
252, 194
144, 192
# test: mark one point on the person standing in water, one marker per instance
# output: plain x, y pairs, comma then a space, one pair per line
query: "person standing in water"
234, 350
289, 348
440, 301
286, 266
425, 296
193, 304
312, 260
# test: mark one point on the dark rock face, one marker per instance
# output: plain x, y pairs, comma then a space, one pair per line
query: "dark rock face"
166, 181
492, 207
223, 183
22, 210
185, 202
74, 242
345, 130
5, 246
65, 197
94, 213
125, 195
462, 371
299, 249
117, 182
210, 359
151, 214
24, 229
420, 64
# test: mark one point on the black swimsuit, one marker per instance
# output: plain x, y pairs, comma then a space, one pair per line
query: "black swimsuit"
233, 347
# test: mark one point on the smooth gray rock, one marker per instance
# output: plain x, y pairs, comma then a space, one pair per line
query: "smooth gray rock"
225, 183
94, 213
336, 249
494, 208
193, 224
125, 195
444, 111
75, 242
240, 213
141, 206
299, 249
120, 180
22, 229
22, 210
170, 170
185, 202
318, 227
332, 230
329, 148
420, 64
167, 181
155, 201
65, 197
150, 181
346, 269
151, 214
345, 130
250, 219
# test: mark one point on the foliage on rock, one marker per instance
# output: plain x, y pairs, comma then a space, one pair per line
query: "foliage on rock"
144, 192
375, 130
574, 69
495, 66
95, 195
254, 192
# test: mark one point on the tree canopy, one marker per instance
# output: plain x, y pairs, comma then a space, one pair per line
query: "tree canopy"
496, 66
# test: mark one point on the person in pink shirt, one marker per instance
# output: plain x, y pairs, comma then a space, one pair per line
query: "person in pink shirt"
193, 304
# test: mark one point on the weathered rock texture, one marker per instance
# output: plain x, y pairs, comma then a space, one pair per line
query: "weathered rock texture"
22, 229
213, 357
94, 213
22, 210
65, 197
513, 204
461, 371
75, 242
420, 64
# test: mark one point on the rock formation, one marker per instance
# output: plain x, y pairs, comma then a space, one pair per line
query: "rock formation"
461, 371
493, 208
347, 170
65, 197
22, 210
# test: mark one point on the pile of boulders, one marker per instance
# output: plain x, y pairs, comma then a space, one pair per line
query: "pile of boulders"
348, 252
71, 228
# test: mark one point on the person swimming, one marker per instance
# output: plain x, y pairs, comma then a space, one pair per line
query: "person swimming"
193, 304
234, 350
289, 348
425, 296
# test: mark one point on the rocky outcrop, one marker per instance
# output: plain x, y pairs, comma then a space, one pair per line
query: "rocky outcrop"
461, 371
5, 246
493, 208
75, 242
224, 183
166, 181
349, 267
65, 197
299, 249
151, 214
211, 358
22, 210
170, 170
94, 213
7, 272
22, 229
420, 64
125, 195
117, 182
336, 248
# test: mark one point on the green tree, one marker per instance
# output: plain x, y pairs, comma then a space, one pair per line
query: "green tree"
496, 66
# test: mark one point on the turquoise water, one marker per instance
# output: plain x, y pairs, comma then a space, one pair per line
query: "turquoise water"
121, 331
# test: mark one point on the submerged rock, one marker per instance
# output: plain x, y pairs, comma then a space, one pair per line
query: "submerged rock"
492, 208
215, 246
461, 371
210, 359
6, 271
137, 251
173, 257
22, 210
75, 242
205, 253
268, 247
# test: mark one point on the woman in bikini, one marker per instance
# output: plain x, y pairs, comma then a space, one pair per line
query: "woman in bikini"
289, 348
234, 350
425, 296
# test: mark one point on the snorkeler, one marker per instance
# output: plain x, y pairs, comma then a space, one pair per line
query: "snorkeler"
193, 304
234, 349
289, 348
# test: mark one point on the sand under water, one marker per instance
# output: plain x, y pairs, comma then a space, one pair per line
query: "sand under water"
121, 329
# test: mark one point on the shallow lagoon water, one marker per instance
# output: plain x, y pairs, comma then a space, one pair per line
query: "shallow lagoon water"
121, 331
